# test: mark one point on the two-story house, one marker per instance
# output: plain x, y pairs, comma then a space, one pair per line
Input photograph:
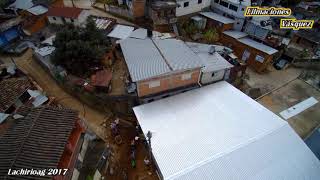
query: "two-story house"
233, 9
160, 67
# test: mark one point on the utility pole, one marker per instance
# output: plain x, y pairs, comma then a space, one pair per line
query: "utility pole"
149, 135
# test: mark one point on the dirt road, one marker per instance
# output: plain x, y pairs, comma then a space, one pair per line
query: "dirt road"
93, 117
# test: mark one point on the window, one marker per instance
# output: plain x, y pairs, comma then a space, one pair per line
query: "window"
233, 7
199, 1
186, 76
212, 75
225, 4
259, 58
185, 4
71, 20
153, 84
54, 18
216, 1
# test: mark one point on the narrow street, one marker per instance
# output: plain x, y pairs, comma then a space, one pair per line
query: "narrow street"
93, 118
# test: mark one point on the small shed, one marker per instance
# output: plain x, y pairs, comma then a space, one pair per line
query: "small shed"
101, 80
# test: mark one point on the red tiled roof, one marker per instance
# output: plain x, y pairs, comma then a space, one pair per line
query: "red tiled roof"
101, 78
67, 12
11, 89
37, 140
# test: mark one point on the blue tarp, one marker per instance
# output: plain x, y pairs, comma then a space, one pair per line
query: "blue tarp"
9, 35
313, 142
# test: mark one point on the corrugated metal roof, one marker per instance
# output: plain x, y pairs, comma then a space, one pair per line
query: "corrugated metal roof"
21, 4
235, 34
143, 59
140, 33
212, 62
217, 132
38, 10
177, 54
252, 43
121, 31
217, 17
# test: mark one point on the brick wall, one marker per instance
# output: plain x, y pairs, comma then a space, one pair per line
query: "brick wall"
168, 82
240, 48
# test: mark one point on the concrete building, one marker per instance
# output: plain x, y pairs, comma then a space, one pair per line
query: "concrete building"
169, 66
218, 132
63, 15
216, 68
164, 65
186, 7
233, 9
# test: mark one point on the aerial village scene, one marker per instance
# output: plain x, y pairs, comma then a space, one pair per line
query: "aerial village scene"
160, 89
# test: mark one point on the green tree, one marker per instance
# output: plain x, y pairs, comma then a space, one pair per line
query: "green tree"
79, 50
211, 36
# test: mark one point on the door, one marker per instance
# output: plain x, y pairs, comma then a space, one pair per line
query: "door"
245, 55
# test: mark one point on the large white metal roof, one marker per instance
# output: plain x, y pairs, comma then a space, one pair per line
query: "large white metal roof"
148, 58
177, 54
218, 133
143, 59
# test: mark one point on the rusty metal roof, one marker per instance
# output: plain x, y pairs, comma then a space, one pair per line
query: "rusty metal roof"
11, 89
101, 78
36, 141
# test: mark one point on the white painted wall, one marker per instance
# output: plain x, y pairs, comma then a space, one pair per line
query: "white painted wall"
219, 8
80, 21
237, 15
192, 8
207, 77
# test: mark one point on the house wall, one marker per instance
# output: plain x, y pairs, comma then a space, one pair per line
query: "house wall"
168, 82
138, 8
238, 15
80, 21
241, 48
209, 77
304, 43
218, 25
193, 6
221, 9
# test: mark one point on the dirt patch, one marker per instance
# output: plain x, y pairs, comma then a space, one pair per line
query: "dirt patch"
288, 96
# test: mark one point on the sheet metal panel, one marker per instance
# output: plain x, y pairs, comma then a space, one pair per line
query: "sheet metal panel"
143, 59
177, 54
298, 108
196, 133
